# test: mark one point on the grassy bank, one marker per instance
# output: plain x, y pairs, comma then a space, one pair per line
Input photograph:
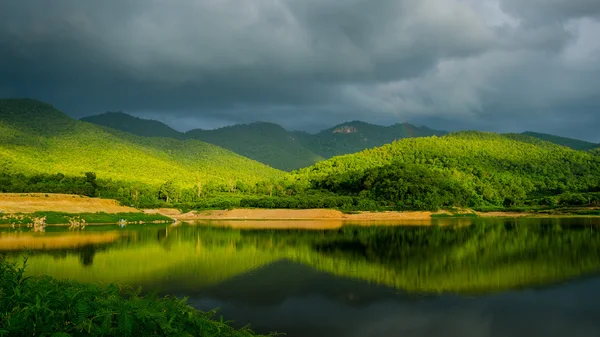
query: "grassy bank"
44, 306
56, 218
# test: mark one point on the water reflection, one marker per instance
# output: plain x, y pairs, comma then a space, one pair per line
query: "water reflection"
458, 277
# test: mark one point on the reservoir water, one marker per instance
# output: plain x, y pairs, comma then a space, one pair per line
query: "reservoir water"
451, 277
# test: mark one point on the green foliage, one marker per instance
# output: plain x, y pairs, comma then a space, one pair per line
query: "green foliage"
264, 142
270, 143
44, 306
466, 169
37, 139
60, 218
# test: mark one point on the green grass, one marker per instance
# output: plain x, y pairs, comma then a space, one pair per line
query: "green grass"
59, 218
44, 306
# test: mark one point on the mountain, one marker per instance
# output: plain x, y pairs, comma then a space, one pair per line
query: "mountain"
264, 142
36, 138
138, 126
356, 136
575, 144
460, 169
270, 143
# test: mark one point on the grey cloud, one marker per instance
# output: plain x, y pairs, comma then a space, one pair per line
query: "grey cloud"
542, 12
308, 64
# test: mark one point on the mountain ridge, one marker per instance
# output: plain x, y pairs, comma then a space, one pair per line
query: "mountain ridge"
573, 143
272, 144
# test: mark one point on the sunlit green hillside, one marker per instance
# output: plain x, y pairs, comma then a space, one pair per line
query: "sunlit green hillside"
460, 169
36, 138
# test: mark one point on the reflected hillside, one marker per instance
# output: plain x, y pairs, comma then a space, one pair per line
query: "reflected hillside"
480, 258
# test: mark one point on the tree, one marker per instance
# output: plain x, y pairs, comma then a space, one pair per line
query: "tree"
167, 191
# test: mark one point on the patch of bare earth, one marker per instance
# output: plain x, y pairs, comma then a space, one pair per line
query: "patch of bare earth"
68, 203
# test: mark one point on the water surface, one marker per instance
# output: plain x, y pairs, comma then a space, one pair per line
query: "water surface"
472, 277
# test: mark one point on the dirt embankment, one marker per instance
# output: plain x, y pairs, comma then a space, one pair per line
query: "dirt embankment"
309, 214
289, 214
68, 203
40, 202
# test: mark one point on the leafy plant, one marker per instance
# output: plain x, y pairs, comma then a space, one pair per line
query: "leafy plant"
44, 306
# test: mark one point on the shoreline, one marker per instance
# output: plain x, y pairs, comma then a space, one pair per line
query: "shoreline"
19, 206
241, 214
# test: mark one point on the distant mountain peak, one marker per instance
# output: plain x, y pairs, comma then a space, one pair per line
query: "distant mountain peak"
345, 129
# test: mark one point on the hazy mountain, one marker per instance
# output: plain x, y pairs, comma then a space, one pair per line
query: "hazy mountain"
356, 136
575, 144
272, 144
138, 126
265, 142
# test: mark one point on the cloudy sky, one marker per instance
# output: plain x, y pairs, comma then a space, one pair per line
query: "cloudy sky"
496, 65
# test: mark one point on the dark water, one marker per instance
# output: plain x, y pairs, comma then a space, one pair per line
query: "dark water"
529, 277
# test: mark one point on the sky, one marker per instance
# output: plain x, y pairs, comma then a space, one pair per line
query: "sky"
492, 65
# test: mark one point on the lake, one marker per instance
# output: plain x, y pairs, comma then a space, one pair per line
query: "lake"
454, 277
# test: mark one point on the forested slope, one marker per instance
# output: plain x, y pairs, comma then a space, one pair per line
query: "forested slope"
270, 143
460, 169
36, 138
356, 136
264, 142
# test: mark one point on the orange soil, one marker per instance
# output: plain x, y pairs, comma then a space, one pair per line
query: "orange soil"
291, 214
39, 202
310, 214
317, 224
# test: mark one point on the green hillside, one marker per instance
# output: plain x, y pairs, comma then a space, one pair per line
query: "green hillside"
575, 144
356, 136
36, 138
460, 169
264, 142
270, 143
135, 125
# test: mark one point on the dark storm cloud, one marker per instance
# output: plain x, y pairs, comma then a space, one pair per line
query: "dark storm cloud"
496, 65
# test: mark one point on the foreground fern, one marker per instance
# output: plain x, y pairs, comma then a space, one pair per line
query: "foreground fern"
45, 306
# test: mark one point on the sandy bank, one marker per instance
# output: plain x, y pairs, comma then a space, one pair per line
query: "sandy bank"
68, 203
288, 214
309, 214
